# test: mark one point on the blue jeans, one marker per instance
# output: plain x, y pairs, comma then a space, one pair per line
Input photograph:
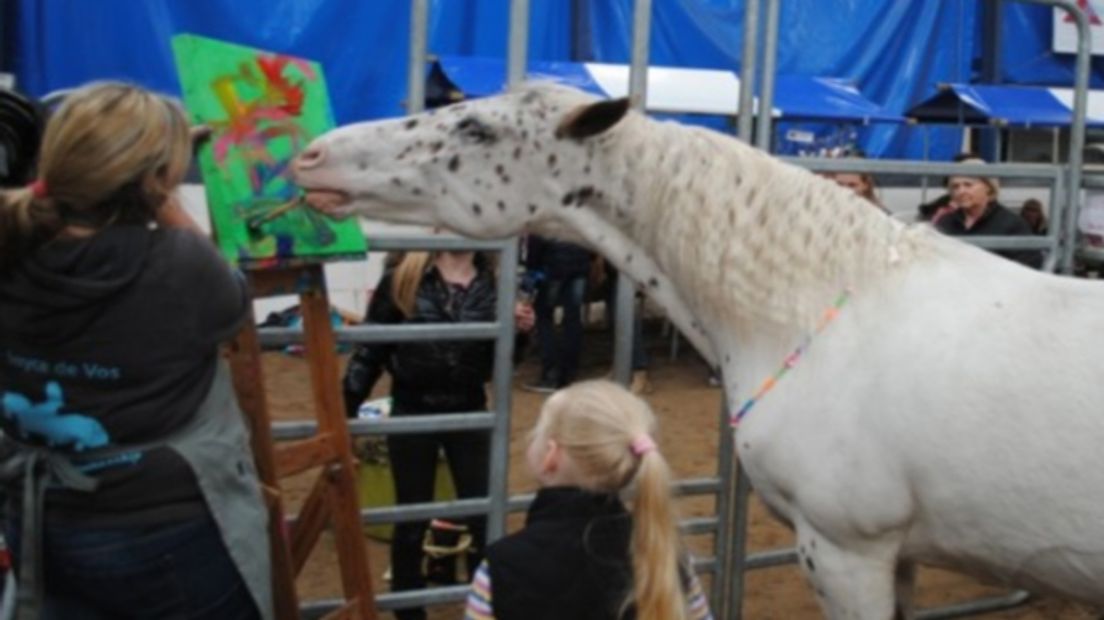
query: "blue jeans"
560, 356
178, 571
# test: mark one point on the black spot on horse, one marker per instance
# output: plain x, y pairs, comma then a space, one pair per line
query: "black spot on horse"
501, 206
506, 179
478, 210
362, 165
628, 258
551, 159
568, 198
500, 170
396, 182
532, 208
809, 564
410, 124
652, 282
454, 163
434, 147
517, 153
584, 194
536, 145
586, 169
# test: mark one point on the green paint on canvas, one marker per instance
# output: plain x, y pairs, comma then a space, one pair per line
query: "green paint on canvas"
263, 109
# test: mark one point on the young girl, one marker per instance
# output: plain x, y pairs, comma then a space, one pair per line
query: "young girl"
582, 554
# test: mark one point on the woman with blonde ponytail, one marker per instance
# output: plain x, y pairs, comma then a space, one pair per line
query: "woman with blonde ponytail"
131, 488
582, 554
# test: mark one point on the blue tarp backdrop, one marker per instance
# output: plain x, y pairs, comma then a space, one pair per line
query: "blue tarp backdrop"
896, 52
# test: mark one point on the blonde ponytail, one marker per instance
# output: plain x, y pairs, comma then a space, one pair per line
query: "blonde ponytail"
606, 432
657, 588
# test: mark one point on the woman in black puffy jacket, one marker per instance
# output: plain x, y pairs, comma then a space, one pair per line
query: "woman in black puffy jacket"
431, 377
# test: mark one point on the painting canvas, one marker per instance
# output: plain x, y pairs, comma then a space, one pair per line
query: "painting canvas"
263, 108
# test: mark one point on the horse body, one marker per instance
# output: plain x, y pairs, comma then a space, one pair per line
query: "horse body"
948, 415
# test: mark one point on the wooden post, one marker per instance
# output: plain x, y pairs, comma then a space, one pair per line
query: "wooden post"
333, 499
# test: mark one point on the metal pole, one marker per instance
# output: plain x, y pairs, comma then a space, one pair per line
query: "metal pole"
416, 73
747, 70
519, 42
1077, 130
638, 94
503, 376
770, 62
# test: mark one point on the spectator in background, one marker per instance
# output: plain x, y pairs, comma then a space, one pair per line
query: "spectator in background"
563, 270
976, 212
1032, 212
431, 377
862, 184
932, 211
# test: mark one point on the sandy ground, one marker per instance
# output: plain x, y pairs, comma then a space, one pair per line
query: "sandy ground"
688, 411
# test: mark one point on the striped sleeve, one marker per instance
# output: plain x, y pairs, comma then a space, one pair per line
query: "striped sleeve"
479, 599
696, 601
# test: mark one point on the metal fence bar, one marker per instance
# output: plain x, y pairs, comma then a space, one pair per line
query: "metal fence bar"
747, 71
416, 70
763, 131
282, 336
503, 391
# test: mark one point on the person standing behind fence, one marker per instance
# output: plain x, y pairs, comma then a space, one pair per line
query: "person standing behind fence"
564, 268
582, 555
438, 376
1032, 212
133, 491
976, 212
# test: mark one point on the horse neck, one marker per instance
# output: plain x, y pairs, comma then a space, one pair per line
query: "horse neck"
747, 239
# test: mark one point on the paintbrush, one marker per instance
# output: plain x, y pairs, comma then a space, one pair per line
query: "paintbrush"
254, 223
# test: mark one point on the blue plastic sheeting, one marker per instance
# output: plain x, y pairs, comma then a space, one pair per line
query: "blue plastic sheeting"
896, 52
480, 76
796, 97
1022, 106
1027, 57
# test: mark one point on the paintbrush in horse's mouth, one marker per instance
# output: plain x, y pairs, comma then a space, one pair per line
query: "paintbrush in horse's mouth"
254, 223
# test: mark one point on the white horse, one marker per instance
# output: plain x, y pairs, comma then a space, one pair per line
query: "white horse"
952, 414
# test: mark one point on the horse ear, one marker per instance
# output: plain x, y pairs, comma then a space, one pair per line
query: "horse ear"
592, 119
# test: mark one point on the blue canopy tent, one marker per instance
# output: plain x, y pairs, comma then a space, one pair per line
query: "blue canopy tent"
1005, 106
689, 93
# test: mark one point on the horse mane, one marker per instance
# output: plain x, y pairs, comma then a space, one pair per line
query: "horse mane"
748, 233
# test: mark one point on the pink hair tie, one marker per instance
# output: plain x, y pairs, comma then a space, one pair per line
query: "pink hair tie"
38, 188
642, 444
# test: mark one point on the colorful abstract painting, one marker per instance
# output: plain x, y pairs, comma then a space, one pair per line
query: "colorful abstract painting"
263, 108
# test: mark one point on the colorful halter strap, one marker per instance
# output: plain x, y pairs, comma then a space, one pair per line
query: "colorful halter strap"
791, 360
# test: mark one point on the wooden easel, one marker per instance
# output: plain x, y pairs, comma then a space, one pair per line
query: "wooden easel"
333, 497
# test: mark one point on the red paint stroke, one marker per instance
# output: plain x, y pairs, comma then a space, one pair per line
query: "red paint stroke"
251, 126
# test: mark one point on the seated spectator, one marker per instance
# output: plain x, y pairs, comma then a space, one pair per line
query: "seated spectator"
976, 212
1032, 213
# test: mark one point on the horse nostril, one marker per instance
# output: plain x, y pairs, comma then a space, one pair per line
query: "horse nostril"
310, 158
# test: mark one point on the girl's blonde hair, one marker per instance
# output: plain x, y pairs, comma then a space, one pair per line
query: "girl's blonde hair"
111, 153
596, 424
408, 273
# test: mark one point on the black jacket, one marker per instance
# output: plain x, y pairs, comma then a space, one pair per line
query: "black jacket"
997, 221
570, 561
430, 376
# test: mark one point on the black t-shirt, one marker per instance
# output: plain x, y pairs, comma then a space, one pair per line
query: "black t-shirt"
112, 341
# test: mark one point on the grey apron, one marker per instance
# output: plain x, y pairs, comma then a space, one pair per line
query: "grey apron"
216, 446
